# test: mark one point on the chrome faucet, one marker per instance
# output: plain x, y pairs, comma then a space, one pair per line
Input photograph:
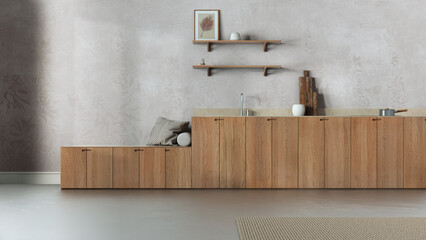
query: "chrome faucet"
242, 104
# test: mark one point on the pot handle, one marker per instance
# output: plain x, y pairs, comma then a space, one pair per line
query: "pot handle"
401, 110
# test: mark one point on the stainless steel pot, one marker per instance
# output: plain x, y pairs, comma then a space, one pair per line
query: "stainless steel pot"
390, 112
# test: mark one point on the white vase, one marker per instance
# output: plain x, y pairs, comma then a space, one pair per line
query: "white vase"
235, 36
298, 110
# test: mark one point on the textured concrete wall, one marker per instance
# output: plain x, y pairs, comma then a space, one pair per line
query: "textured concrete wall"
96, 72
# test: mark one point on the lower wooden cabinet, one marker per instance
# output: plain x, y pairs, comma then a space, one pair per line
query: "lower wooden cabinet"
99, 167
390, 152
73, 167
285, 162
205, 152
363, 152
263, 152
233, 152
126, 167
415, 152
337, 159
152, 171
258, 152
178, 167
311, 152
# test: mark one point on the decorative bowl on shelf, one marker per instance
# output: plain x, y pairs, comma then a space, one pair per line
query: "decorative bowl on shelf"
235, 36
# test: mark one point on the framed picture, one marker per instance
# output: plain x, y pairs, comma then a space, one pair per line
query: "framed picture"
206, 24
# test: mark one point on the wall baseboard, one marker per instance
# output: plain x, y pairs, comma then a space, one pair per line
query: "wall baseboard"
30, 178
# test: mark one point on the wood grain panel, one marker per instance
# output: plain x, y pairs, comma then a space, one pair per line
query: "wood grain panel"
232, 152
152, 171
99, 167
363, 152
415, 152
125, 167
178, 168
390, 154
311, 152
73, 167
285, 137
258, 152
337, 152
205, 152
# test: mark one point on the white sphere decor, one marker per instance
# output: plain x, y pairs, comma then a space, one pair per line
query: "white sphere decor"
298, 110
184, 139
235, 36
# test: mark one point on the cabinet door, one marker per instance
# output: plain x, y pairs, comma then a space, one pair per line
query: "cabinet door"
152, 167
337, 152
363, 152
178, 167
311, 152
415, 152
205, 152
285, 152
99, 167
258, 152
126, 167
73, 167
390, 149
232, 152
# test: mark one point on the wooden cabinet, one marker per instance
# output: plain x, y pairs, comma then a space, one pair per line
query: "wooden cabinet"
311, 152
390, 150
363, 152
126, 167
152, 167
258, 152
264, 152
415, 152
73, 167
337, 135
178, 167
205, 152
232, 152
99, 167
285, 135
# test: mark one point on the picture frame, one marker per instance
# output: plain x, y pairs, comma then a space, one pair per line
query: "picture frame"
206, 24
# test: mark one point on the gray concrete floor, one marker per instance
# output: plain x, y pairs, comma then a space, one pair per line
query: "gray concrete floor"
46, 212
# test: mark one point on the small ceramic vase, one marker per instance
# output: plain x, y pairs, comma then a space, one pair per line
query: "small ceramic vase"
298, 110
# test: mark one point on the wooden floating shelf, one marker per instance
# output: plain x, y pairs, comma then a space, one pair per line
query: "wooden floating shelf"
210, 42
264, 67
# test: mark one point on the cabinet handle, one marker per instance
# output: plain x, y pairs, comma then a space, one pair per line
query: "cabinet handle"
167, 150
83, 150
324, 119
89, 150
271, 119
376, 119
218, 119
138, 150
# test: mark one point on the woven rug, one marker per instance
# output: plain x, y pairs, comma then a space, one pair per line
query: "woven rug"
268, 228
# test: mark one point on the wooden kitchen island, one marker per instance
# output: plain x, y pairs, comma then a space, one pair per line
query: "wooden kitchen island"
264, 152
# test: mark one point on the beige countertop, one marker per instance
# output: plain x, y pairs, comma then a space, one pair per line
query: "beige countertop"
286, 112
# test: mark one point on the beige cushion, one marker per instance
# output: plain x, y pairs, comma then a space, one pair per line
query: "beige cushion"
165, 131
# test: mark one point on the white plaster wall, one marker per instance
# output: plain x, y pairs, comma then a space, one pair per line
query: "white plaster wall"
99, 72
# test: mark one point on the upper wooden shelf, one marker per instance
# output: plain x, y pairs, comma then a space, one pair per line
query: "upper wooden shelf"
210, 42
264, 67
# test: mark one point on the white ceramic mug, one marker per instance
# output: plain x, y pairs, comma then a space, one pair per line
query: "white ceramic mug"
235, 36
298, 110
